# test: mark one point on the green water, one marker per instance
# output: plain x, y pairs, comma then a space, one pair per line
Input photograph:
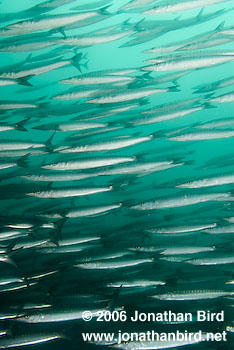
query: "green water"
148, 235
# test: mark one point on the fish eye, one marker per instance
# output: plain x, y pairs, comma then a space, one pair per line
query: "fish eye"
38, 192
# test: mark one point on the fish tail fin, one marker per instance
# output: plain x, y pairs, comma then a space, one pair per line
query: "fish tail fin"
220, 27
75, 60
20, 125
85, 65
126, 22
24, 80
55, 236
48, 143
23, 161
174, 88
114, 298
59, 224
62, 31
103, 10
56, 233
137, 26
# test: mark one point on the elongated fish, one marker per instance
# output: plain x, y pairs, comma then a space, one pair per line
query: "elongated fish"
92, 211
193, 295
127, 95
54, 177
68, 192
180, 6
203, 136
181, 229
115, 263
140, 168
30, 339
57, 316
208, 182
76, 95
167, 116
70, 126
39, 68
190, 62
95, 39
181, 201
87, 163
113, 144
217, 260
12, 145
43, 23
96, 79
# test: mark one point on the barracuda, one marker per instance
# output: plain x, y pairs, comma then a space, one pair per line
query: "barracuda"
87, 163
136, 283
141, 169
218, 260
181, 229
13, 145
57, 316
203, 136
8, 105
193, 295
68, 192
167, 116
179, 6
126, 96
105, 146
184, 63
43, 23
209, 182
69, 249
116, 263
181, 201
184, 250
83, 212
76, 95
95, 39
52, 177
97, 79
70, 126
20, 72
30, 339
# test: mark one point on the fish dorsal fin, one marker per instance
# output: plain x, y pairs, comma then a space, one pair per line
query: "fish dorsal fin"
220, 27
200, 13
